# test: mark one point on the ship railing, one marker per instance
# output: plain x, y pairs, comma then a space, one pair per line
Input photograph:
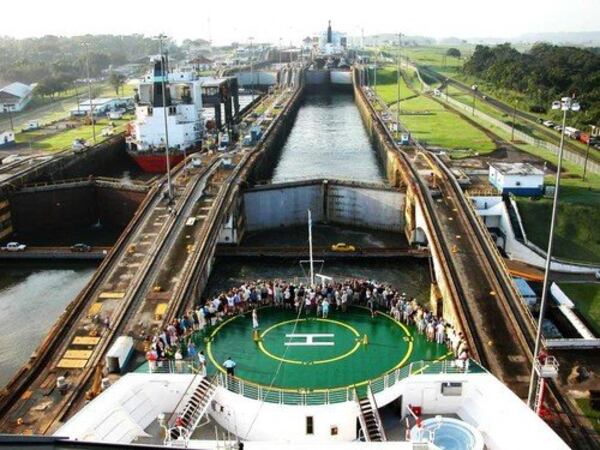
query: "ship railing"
307, 397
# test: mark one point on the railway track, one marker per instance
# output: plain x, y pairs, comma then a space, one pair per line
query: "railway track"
519, 319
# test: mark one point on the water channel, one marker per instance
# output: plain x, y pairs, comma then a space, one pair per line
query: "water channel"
328, 140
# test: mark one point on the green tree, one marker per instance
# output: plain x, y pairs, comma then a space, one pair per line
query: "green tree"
454, 53
116, 80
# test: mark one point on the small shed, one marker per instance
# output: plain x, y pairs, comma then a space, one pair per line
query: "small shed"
517, 178
119, 354
6, 138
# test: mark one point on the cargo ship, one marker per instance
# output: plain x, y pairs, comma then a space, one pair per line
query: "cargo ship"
182, 100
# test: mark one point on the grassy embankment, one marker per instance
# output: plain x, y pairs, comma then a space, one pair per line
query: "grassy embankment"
429, 121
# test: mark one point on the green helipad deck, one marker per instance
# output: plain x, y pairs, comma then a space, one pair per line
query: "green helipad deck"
313, 353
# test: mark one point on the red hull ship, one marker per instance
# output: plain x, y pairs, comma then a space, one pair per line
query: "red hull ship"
155, 163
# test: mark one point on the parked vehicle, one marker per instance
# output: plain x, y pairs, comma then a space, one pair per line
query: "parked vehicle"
79, 145
31, 126
549, 123
81, 248
343, 247
571, 132
224, 142
14, 247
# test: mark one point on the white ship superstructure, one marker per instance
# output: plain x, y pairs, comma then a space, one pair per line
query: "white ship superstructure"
183, 102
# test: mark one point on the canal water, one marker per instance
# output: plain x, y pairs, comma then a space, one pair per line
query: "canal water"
32, 297
408, 275
328, 140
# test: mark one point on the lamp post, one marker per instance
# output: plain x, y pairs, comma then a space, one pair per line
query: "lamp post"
8, 109
86, 45
474, 89
512, 134
566, 104
251, 68
163, 76
398, 78
587, 150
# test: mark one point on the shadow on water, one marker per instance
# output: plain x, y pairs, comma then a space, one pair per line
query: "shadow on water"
32, 297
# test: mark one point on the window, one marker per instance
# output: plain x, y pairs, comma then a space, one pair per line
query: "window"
309, 425
452, 389
518, 183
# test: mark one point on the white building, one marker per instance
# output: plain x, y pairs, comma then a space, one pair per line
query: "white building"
6, 138
15, 97
517, 178
100, 106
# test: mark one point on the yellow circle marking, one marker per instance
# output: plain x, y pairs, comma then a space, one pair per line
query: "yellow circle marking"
297, 390
321, 361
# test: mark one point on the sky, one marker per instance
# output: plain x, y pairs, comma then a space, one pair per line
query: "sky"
268, 20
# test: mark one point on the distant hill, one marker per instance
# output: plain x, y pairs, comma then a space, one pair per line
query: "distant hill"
583, 38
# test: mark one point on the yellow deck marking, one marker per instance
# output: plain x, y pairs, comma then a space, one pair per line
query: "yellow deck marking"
78, 354
160, 311
86, 340
111, 295
95, 309
66, 363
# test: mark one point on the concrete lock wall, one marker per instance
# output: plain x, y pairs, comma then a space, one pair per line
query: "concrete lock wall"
73, 207
286, 204
261, 78
282, 207
377, 209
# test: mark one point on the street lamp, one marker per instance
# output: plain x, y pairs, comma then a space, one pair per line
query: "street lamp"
474, 89
514, 121
8, 108
566, 104
587, 150
251, 68
398, 78
86, 45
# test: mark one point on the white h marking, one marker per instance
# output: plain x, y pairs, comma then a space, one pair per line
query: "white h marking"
308, 339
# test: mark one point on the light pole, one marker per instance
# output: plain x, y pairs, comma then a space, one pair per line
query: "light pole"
512, 135
280, 49
565, 104
251, 68
87, 51
474, 89
398, 78
163, 76
8, 109
587, 150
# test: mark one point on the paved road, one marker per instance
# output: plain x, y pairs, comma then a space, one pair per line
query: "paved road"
550, 135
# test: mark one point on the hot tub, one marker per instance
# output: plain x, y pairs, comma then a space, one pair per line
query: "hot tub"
448, 434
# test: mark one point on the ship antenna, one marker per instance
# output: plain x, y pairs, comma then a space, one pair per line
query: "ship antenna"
310, 250
164, 105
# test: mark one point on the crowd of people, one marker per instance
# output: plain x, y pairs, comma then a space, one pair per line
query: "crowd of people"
177, 341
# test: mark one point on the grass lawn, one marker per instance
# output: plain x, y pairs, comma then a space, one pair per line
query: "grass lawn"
429, 121
586, 297
64, 139
591, 414
576, 234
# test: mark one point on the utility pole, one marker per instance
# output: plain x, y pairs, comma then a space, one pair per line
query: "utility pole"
375, 74
8, 109
251, 68
163, 76
473, 89
398, 78
566, 104
87, 48
587, 151
514, 121
280, 48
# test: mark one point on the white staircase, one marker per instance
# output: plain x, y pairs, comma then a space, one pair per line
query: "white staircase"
194, 410
370, 421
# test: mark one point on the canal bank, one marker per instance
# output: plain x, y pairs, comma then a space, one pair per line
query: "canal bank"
32, 297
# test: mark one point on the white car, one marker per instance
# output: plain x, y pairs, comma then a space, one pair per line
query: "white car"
14, 247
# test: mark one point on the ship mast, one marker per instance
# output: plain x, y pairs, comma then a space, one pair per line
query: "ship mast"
164, 105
